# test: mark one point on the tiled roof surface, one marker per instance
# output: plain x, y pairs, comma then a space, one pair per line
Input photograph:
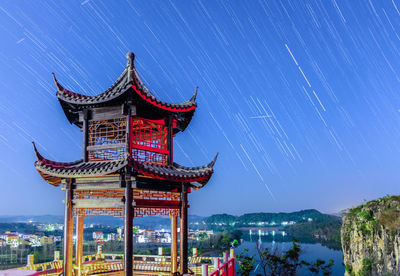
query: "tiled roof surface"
128, 82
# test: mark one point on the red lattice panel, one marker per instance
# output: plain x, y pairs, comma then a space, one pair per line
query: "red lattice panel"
142, 194
107, 154
114, 212
105, 133
119, 212
163, 212
149, 141
149, 157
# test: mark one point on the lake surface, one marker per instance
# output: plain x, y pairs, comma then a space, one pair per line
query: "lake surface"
309, 252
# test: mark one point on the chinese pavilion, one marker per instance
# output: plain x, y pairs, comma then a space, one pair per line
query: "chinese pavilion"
127, 168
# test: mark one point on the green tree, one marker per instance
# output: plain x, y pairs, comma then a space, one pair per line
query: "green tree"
246, 263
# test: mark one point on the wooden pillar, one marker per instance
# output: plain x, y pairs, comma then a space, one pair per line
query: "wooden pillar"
174, 243
68, 229
85, 130
184, 231
79, 243
128, 226
169, 123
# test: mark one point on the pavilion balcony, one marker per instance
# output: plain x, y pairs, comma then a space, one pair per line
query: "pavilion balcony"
112, 264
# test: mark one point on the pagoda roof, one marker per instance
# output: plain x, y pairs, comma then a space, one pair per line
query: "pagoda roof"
128, 87
53, 172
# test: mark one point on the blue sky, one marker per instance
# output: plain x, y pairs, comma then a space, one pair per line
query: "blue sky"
301, 98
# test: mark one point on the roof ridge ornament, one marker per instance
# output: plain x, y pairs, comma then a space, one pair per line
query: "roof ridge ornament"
130, 58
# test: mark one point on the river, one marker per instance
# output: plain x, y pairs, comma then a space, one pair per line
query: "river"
309, 252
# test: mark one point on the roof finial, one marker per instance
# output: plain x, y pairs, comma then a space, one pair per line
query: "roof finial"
130, 58
38, 155
193, 99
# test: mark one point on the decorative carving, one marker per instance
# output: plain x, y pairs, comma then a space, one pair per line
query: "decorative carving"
119, 193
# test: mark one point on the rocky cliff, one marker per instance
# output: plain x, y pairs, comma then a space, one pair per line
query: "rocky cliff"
370, 237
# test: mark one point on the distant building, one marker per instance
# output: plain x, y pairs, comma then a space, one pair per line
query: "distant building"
12, 240
98, 236
46, 240
150, 235
111, 237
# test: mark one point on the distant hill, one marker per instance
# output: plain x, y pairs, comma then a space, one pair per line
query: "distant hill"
262, 219
145, 222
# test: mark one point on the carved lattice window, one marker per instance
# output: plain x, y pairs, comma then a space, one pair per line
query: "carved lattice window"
149, 141
107, 139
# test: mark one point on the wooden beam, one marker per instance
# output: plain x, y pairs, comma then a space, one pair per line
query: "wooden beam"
68, 230
157, 203
98, 186
106, 146
98, 203
106, 113
98, 179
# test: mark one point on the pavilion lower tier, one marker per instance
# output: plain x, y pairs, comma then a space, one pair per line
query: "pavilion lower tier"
124, 196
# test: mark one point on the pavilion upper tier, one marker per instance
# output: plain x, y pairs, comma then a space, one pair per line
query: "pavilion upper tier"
128, 87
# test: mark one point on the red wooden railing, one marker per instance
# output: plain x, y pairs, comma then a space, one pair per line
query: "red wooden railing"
226, 267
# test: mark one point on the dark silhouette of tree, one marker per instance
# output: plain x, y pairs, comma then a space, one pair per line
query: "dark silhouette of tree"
274, 263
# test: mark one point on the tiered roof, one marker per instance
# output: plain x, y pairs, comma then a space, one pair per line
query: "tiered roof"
128, 86
53, 172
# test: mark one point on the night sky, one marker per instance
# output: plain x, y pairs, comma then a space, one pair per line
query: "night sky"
301, 98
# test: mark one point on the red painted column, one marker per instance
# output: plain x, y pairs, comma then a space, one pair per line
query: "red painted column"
68, 229
184, 231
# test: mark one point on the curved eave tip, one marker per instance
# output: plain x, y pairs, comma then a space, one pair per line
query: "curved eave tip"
58, 85
193, 99
214, 160
38, 155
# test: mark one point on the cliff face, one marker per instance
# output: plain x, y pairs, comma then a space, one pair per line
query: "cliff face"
370, 237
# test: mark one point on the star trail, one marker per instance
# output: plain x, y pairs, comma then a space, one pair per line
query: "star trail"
300, 98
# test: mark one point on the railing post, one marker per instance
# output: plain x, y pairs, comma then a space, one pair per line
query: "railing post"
216, 265
232, 253
30, 260
225, 257
194, 252
99, 249
204, 270
160, 251
56, 256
